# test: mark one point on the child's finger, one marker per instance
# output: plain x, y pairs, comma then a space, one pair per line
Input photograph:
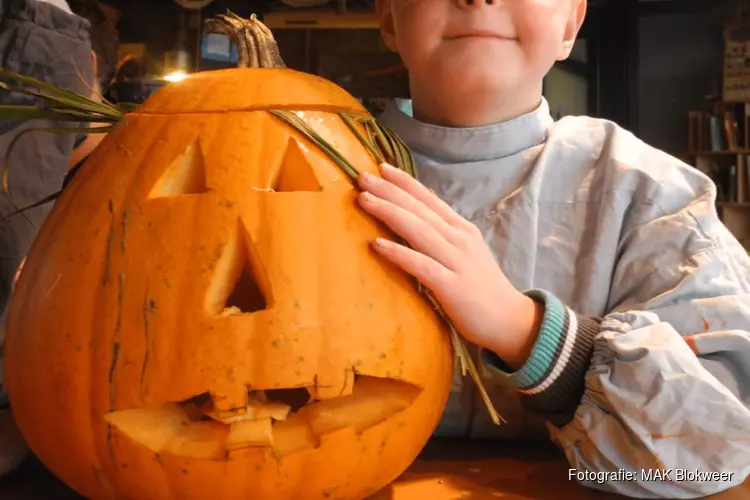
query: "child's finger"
390, 192
421, 193
418, 233
429, 272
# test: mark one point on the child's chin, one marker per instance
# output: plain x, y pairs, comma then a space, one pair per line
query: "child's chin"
481, 83
480, 73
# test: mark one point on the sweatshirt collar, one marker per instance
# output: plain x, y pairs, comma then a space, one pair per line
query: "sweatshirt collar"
460, 145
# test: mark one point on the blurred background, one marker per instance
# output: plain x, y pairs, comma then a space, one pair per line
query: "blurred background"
643, 64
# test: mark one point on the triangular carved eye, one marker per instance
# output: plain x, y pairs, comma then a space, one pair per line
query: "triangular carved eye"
295, 173
186, 175
240, 284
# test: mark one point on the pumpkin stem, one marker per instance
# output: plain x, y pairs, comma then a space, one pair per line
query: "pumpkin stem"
255, 43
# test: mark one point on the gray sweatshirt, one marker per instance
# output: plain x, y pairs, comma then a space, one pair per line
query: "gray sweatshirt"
643, 359
60, 4
45, 42
42, 41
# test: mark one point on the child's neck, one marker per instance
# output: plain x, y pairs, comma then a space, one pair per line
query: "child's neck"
464, 112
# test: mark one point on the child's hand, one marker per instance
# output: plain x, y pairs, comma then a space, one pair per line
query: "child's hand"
450, 257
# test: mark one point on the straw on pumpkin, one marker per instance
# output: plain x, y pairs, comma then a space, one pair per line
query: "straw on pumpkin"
257, 49
57, 105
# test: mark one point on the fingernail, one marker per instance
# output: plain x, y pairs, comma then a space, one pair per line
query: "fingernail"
368, 178
380, 242
386, 166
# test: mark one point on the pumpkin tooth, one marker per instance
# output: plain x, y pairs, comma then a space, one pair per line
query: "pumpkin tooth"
333, 385
247, 433
293, 435
228, 399
199, 440
226, 416
255, 410
372, 401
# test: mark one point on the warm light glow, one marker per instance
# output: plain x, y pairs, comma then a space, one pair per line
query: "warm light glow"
176, 76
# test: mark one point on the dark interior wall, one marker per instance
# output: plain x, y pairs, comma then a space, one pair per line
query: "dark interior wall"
302, 49
680, 64
157, 23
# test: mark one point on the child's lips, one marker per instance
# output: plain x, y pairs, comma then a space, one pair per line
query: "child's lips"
478, 34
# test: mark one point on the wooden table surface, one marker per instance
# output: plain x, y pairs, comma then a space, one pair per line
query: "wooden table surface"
447, 470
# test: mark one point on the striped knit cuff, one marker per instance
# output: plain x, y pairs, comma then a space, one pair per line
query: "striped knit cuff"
552, 379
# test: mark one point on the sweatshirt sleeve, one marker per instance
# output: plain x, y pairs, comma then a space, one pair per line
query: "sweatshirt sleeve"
662, 382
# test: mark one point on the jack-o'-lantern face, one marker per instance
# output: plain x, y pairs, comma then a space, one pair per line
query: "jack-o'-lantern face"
202, 317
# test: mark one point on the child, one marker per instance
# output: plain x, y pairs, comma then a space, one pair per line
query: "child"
41, 40
632, 342
45, 40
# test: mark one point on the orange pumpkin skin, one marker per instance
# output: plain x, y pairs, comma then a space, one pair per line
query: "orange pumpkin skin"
121, 304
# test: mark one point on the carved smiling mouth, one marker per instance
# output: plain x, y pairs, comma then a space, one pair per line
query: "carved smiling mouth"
285, 420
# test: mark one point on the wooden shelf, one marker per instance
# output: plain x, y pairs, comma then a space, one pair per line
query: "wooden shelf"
728, 128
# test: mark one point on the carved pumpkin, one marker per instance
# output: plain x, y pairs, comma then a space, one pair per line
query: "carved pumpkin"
201, 315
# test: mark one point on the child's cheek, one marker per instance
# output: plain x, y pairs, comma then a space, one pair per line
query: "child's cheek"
540, 28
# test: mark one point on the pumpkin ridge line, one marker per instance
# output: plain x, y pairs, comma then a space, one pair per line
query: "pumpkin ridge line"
148, 309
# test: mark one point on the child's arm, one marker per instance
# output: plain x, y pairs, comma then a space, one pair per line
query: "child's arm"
681, 288
630, 394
